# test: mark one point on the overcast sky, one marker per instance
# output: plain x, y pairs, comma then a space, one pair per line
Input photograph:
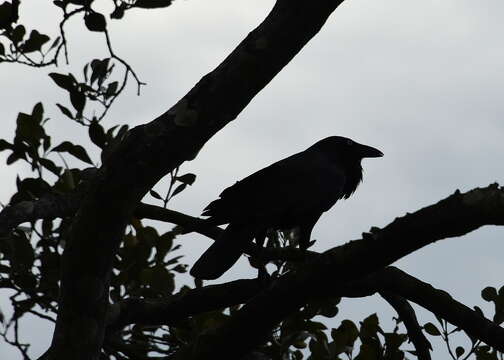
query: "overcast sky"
420, 80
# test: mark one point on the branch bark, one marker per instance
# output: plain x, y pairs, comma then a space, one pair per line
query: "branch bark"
48, 207
454, 216
150, 151
407, 315
182, 305
440, 303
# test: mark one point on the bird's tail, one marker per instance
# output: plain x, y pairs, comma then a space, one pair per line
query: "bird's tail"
223, 253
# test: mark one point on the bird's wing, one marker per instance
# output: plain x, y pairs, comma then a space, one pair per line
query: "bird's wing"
303, 182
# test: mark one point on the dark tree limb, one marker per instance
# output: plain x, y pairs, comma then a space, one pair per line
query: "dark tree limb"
201, 226
407, 315
150, 151
182, 305
440, 303
50, 206
454, 216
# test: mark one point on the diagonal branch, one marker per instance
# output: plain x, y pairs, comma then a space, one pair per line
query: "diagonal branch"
440, 303
52, 206
454, 216
203, 227
407, 315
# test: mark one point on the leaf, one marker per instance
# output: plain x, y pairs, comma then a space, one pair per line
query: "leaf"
59, 3
65, 111
178, 189
80, 2
459, 351
150, 4
29, 189
187, 179
4, 145
329, 311
163, 244
26, 281
15, 156
78, 100
111, 89
63, 81
100, 68
50, 165
370, 326
489, 293
55, 42
18, 34
95, 21
159, 279
344, 336
29, 130
22, 255
147, 236
8, 14
68, 180
46, 142
76, 150
97, 134
394, 340
174, 260
180, 268
431, 329
38, 112
118, 12
35, 42
155, 195
122, 132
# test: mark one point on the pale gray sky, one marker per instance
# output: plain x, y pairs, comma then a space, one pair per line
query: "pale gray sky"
420, 80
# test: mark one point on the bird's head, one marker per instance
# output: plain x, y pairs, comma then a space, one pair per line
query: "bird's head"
344, 148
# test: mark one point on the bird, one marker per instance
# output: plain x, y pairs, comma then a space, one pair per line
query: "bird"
291, 193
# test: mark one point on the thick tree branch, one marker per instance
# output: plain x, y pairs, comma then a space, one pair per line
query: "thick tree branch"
407, 315
151, 151
48, 207
453, 216
393, 284
440, 303
182, 305
53, 206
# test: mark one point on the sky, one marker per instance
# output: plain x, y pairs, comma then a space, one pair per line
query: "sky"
420, 80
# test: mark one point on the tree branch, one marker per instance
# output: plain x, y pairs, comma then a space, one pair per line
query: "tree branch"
182, 305
440, 303
408, 317
50, 206
454, 216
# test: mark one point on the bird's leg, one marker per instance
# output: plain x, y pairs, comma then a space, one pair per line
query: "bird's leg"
305, 231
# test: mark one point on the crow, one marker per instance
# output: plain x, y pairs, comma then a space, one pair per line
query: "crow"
293, 192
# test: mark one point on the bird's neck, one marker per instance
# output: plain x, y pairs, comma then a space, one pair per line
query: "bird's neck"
353, 178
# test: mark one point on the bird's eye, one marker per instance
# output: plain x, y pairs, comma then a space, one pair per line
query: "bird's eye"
349, 142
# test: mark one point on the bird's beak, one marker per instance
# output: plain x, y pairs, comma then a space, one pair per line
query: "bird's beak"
369, 152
